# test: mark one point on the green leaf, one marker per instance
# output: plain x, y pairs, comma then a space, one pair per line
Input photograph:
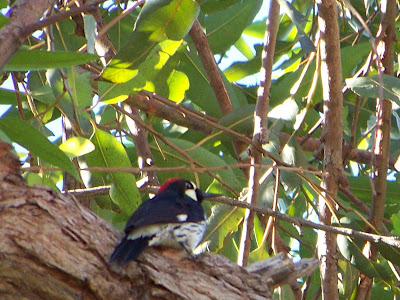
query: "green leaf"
239, 120
124, 66
4, 3
170, 18
3, 20
361, 187
30, 138
351, 57
390, 253
8, 97
73, 104
240, 70
110, 153
171, 158
351, 249
225, 27
178, 84
369, 87
34, 178
146, 72
200, 91
77, 146
30, 60
396, 223
223, 221
90, 27
256, 29
109, 215
158, 20
298, 20
211, 6
349, 278
244, 48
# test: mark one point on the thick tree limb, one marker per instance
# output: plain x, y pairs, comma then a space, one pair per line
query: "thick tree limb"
54, 248
12, 35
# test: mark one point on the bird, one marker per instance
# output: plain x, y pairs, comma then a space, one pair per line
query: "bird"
173, 218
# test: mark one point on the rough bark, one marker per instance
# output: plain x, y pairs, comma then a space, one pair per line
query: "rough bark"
53, 248
12, 35
332, 137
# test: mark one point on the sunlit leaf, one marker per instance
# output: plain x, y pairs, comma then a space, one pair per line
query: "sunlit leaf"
178, 84
158, 20
350, 278
244, 48
172, 18
77, 146
146, 72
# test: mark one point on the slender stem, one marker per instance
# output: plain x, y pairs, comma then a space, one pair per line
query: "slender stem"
260, 127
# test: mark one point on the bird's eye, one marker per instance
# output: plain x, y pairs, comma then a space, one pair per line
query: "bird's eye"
190, 190
189, 186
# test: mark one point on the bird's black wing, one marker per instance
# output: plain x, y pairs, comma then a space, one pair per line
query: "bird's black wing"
165, 208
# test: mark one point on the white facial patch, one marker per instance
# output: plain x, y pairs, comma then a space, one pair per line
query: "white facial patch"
192, 192
182, 217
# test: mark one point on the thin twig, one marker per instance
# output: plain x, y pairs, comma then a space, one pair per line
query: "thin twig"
89, 6
393, 241
183, 154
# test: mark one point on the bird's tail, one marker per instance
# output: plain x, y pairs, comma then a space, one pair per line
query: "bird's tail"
128, 250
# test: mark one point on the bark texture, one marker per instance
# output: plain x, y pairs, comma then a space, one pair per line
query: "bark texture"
54, 248
332, 139
23, 13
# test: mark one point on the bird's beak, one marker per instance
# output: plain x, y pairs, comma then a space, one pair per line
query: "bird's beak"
205, 195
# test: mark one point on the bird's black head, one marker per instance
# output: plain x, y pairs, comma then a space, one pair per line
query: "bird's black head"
185, 187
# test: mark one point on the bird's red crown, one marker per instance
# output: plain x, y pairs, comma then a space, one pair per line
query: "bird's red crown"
164, 186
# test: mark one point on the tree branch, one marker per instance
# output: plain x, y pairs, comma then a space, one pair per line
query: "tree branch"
332, 139
12, 35
260, 127
207, 58
179, 114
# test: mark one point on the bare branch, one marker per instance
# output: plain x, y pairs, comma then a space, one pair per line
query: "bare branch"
332, 139
139, 136
260, 127
207, 58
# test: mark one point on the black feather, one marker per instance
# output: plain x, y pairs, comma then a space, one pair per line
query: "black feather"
128, 250
163, 208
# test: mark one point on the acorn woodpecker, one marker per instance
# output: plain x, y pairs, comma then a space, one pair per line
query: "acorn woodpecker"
173, 218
